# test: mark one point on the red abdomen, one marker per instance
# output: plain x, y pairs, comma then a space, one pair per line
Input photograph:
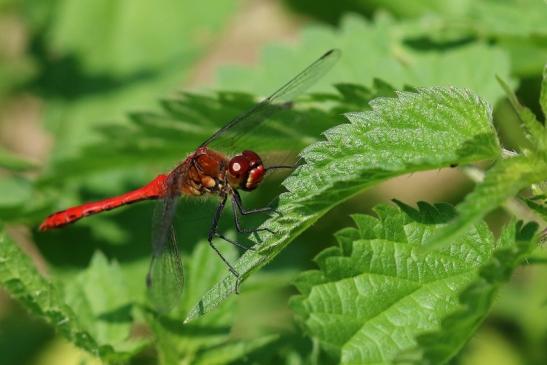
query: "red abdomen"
154, 190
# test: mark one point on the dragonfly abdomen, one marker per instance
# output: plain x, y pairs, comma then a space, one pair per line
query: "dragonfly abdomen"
153, 190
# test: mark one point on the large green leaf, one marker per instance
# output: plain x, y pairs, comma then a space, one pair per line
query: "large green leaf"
381, 294
46, 300
375, 50
427, 129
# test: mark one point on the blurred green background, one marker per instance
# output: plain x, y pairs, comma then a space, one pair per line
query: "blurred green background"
71, 72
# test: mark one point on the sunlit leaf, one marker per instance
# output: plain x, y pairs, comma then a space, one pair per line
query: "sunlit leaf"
429, 129
382, 294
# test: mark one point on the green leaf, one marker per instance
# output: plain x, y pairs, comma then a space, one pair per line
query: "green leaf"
382, 294
156, 140
517, 26
45, 300
428, 129
112, 57
102, 302
514, 245
207, 340
375, 49
15, 163
503, 181
535, 131
127, 36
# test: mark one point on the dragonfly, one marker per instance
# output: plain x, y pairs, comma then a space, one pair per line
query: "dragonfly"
205, 171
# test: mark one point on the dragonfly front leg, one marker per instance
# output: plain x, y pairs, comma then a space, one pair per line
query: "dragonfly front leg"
236, 199
237, 208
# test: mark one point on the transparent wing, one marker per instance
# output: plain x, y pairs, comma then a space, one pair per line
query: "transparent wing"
165, 279
232, 132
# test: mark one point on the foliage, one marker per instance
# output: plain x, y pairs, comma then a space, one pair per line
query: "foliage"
415, 90
44, 298
507, 177
394, 295
377, 49
392, 139
518, 26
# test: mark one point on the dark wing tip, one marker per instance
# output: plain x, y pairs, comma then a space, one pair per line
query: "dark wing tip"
334, 51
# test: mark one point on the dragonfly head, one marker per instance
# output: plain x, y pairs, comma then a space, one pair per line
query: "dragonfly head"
245, 171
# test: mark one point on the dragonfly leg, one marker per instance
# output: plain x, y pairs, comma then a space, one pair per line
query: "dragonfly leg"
233, 242
236, 198
237, 208
213, 233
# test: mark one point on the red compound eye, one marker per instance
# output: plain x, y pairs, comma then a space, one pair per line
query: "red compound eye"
252, 158
239, 166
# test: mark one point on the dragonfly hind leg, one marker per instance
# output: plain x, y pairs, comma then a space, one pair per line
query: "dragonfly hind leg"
213, 234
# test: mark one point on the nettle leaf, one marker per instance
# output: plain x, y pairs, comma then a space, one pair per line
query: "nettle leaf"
375, 49
46, 300
427, 129
206, 340
382, 297
162, 138
503, 181
103, 304
514, 245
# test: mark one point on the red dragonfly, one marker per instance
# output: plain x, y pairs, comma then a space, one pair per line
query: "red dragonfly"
204, 171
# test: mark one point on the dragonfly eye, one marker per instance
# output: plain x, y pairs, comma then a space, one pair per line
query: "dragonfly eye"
245, 171
252, 158
238, 166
